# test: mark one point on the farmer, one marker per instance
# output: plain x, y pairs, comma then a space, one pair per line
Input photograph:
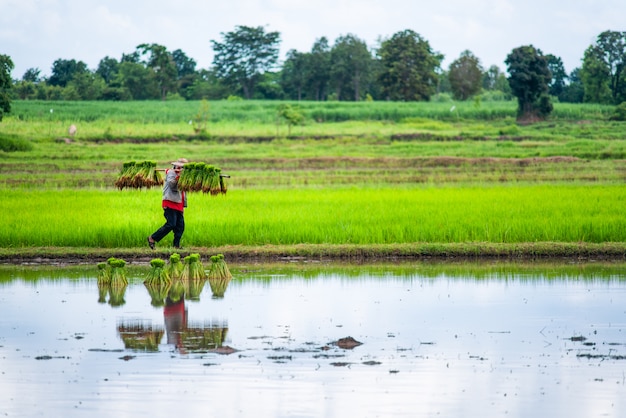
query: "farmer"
174, 203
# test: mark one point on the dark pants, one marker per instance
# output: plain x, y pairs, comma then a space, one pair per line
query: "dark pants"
175, 221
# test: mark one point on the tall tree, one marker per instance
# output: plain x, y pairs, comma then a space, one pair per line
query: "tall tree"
574, 91
350, 68
33, 75
319, 69
185, 66
244, 55
529, 77
107, 69
161, 62
408, 67
604, 63
595, 75
64, 70
465, 76
559, 76
6, 66
138, 80
295, 74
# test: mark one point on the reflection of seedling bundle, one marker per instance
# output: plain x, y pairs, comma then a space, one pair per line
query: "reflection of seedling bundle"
137, 175
193, 268
194, 288
157, 274
219, 275
202, 177
177, 291
118, 272
204, 337
158, 292
140, 337
175, 267
219, 269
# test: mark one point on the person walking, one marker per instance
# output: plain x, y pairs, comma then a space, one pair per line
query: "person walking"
174, 204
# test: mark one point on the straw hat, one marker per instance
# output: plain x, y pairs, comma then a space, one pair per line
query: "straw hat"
180, 162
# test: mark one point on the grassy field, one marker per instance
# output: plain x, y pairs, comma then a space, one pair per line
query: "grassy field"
376, 179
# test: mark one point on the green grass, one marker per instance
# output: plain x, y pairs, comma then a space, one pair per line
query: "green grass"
112, 219
357, 178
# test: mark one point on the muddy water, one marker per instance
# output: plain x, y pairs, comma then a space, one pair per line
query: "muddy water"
435, 340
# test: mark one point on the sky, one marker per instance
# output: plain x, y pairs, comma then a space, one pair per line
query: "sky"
35, 33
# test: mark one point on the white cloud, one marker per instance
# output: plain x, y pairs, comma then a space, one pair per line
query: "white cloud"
36, 33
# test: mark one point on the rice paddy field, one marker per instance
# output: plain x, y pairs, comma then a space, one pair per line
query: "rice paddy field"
405, 178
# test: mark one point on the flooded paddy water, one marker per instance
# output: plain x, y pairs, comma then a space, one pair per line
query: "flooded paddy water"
318, 340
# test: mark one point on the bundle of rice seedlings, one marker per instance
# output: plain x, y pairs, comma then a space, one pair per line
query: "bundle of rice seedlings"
190, 179
219, 269
118, 272
126, 175
202, 177
175, 266
207, 178
157, 274
215, 181
137, 175
223, 185
219, 276
196, 269
147, 175
104, 274
158, 292
184, 273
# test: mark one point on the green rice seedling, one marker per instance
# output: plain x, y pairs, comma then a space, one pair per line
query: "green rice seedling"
158, 273
219, 276
147, 176
175, 266
104, 274
195, 267
126, 175
118, 273
185, 273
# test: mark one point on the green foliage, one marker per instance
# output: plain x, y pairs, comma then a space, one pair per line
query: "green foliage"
245, 54
620, 113
6, 65
529, 79
13, 143
465, 76
408, 67
290, 114
351, 65
200, 119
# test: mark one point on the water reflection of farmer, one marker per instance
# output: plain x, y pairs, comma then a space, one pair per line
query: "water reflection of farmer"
175, 314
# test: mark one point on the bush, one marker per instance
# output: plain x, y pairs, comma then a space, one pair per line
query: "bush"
619, 114
12, 144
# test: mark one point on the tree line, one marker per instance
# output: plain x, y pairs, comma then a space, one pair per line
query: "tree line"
403, 67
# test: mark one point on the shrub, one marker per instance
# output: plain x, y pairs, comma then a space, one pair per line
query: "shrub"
12, 144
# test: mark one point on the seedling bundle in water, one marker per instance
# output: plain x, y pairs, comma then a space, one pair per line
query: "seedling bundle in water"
157, 275
118, 272
193, 268
219, 275
175, 267
137, 175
